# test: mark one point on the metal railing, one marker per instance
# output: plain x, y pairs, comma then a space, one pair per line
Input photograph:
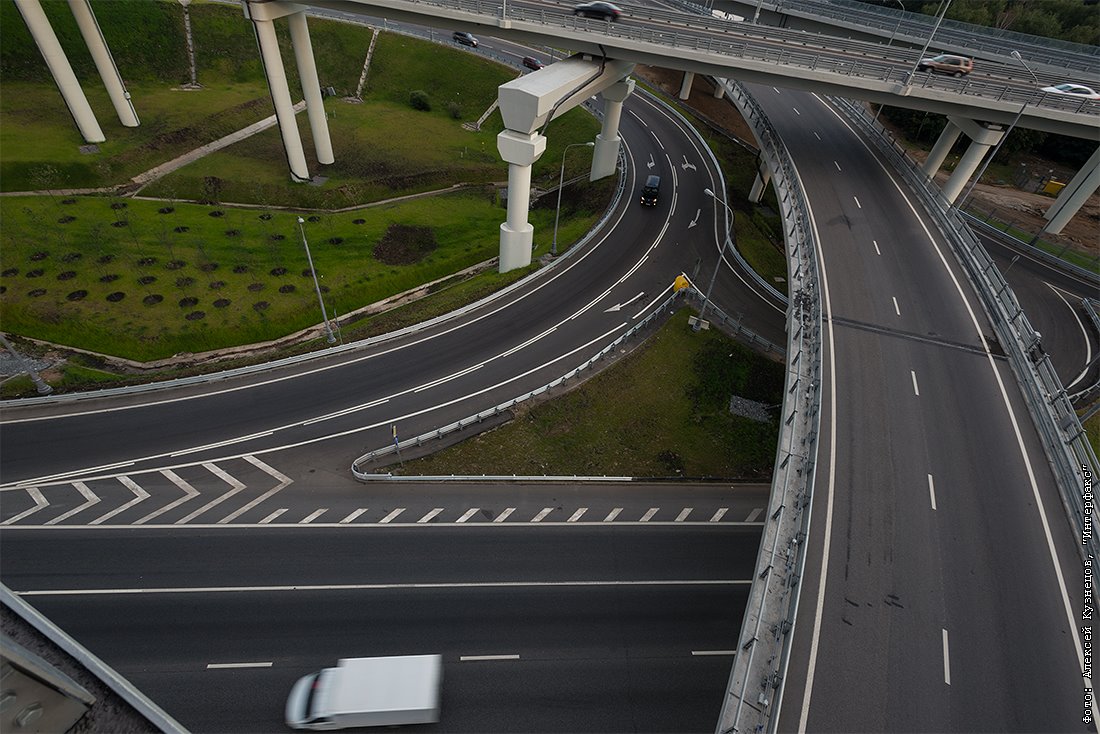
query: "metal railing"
764, 640
1068, 451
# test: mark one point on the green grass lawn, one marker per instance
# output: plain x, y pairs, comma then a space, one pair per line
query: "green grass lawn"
661, 412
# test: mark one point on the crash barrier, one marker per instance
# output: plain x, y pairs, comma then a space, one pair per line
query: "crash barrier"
1068, 451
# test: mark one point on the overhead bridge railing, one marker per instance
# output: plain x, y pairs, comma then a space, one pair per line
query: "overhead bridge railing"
1068, 451
764, 641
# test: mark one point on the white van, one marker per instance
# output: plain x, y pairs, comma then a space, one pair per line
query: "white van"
383, 691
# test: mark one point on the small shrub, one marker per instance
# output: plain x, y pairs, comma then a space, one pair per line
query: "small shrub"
104, 259
454, 110
418, 100
120, 223
66, 219
181, 229
147, 261
255, 287
165, 210
10, 271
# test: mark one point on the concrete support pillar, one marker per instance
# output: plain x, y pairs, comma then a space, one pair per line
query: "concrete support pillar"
62, 71
719, 88
311, 87
104, 63
968, 164
760, 183
280, 96
519, 150
685, 86
605, 156
940, 150
1074, 195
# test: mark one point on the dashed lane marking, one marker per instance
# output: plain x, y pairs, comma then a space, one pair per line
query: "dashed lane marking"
351, 516
754, 514
613, 514
649, 514
392, 515
468, 514
313, 516
719, 514
504, 515
684, 514
543, 513
577, 515
429, 516
273, 515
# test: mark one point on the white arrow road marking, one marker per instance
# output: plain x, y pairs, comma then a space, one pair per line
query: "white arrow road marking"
39, 503
652, 162
619, 306
685, 165
189, 493
231, 481
696, 220
90, 499
140, 495
284, 480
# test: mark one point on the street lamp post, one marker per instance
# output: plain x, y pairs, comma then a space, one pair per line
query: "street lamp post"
316, 283
989, 159
561, 182
928, 43
727, 243
888, 44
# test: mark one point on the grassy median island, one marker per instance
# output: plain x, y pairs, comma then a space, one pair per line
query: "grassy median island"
663, 411
211, 256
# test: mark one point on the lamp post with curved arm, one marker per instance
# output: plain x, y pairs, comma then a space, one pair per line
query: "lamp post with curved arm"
316, 284
561, 182
727, 243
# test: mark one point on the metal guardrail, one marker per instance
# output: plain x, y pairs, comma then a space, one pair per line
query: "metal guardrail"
507, 405
764, 640
1038, 253
729, 325
1068, 451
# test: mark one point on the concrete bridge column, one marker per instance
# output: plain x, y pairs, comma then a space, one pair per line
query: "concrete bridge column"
62, 71
280, 96
760, 183
311, 87
520, 150
1074, 195
606, 154
719, 88
101, 55
940, 150
982, 138
685, 86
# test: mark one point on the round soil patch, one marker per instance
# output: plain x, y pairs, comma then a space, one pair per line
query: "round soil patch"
277, 238
208, 267
147, 279
188, 302
307, 273
67, 275
174, 264
116, 296
240, 269
37, 273
255, 287
152, 299
181, 229
37, 292
195, 315
147, 261
68, 201
109, 278
359, 221
217, 285
260, 306
10, 272
77, 295
184, 281
217, 213
232, 233
165, 210
70, 257
104, 259
118, 205
66, 219
265, 216
40, 255
288, 288
221, 303
335, 240
314, 218
120, 223
278, 271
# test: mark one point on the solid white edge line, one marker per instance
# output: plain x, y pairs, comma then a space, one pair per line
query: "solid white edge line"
380, 526
1084, 333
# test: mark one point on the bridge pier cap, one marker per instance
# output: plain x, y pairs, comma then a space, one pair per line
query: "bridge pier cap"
270, 9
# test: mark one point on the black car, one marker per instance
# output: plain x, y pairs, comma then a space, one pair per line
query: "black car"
532, 63
466, 39
651, 191
602, 11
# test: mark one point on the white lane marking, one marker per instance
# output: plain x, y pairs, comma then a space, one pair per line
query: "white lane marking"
896, 309
453, 376
140, 495
39, 503
613, 514
351, 516
719, 514
543, 513
775, 89
931, 491
858, 205
837, 165
700, 653
89, 499
219, 444
796, 111
468, 514
577, 515
754, 514
284, 481
346, 411
313, 516
1067, 605
816, 135
916, 390
649, 306
189, 493
236, 487
383, 587
479, 658
392, 515
946, 661
638, 118
429, 516
222, 666
504, 515
649, 514
875, 243
657, 139
1084, 334
273, 515
684, 514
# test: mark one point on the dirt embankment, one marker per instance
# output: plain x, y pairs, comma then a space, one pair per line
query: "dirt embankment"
1020, 208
